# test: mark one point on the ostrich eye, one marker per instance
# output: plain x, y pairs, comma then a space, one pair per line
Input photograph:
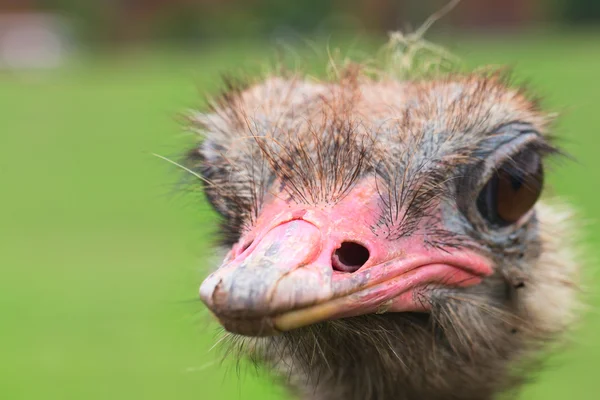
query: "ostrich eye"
512, 190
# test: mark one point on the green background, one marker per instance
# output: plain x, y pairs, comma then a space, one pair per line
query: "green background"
102, 255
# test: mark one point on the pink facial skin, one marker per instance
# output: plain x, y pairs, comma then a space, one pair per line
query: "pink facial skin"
279, 276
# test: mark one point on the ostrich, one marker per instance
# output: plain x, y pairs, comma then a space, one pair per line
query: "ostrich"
384, 236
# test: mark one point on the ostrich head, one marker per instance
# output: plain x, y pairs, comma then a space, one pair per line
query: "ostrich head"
384, 237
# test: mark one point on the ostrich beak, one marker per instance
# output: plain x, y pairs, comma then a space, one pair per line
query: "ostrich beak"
314, 264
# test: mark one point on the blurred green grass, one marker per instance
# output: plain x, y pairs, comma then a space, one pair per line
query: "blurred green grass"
101, 259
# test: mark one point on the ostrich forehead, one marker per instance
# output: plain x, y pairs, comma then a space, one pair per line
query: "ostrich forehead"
467, 108
320, 137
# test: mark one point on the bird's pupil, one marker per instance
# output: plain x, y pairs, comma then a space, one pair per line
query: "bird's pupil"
517, 182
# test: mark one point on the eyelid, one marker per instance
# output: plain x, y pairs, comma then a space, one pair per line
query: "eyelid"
504, 153
478, 174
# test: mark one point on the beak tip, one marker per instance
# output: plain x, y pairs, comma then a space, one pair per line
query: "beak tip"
208, 288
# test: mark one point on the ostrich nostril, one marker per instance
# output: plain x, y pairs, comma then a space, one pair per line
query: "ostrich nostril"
349, 257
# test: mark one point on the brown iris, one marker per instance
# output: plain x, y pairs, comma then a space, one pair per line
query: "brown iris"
512, 190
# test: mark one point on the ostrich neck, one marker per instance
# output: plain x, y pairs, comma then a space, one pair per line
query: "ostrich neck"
372, 357
369, 381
